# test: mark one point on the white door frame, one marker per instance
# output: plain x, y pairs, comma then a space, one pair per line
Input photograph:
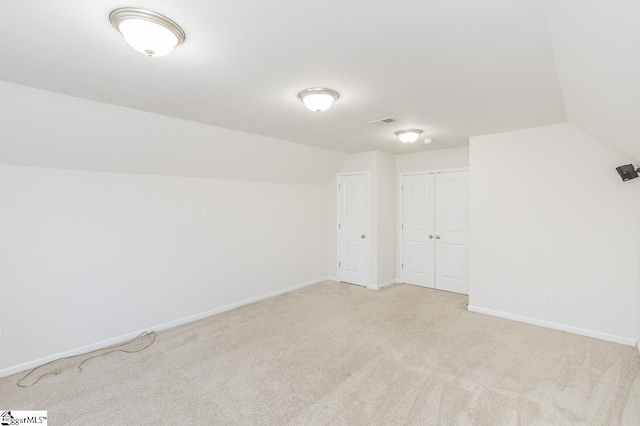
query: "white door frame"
399, 198
367, 175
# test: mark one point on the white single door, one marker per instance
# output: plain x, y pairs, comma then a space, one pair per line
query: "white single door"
352, 228
452, 231
417, 228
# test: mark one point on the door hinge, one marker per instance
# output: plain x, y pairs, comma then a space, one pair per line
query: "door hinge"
402, 187
402, 226
338, 187
339, 265
402, 267
339, 226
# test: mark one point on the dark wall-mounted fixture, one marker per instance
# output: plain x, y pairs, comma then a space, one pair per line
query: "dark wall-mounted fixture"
628, 172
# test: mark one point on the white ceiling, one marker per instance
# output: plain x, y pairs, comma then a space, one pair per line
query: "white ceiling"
596, 46
455, 68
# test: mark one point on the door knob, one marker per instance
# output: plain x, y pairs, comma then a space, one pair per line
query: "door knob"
362, 236
430, 236
437, 237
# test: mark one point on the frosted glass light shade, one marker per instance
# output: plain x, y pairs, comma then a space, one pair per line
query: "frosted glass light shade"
408, 135
147, 32
147, 37
318, 99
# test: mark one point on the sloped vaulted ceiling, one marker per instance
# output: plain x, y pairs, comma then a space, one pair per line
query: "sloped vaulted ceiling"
597, 51
454, 68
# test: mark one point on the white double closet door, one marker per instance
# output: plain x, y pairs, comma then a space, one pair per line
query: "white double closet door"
435, 230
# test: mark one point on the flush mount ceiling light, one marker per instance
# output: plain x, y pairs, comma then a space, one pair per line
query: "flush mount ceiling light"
147, 32
408, 135
318, 99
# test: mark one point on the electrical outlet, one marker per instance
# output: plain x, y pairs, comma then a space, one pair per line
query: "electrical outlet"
240, 281
548, 296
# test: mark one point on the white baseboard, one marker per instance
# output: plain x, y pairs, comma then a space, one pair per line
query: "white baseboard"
556, 326
388, 283
381, 286
126, 337
371, 286
638, 347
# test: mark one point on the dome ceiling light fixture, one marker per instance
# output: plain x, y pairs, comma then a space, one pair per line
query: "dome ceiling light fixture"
318, 99
408, 135
147, 32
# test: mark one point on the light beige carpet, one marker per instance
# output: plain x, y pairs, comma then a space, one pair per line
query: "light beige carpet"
340, 354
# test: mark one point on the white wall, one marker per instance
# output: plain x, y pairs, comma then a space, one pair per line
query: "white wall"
360, 162
45, 129
332, 229
433, 160
382, 194
548, 212
89, 256
384, 169
386, 200
450, 158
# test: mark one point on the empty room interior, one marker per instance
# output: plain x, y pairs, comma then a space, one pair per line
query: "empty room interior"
346, 212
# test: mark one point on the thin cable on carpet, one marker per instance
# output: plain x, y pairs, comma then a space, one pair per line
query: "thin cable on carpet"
56, 372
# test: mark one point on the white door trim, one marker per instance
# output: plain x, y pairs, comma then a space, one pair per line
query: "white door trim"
426, 279
367, 175
453, 248
401, 175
